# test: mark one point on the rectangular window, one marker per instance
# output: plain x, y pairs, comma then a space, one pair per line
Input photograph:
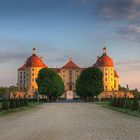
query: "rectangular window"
106, 88
33, 79
70, 87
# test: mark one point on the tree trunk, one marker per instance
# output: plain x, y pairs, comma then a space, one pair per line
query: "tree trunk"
48, 99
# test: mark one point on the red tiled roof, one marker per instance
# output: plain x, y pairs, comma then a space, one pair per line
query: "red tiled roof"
35, 61
22, 68
70, 65
115, 74
104, 61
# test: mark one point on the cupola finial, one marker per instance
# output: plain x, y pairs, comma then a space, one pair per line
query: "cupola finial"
34, 50
104, 49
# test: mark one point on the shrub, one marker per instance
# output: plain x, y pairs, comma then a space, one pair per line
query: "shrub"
22, 103
26, 102
114, 101
127, 104
111, 102
17, 103
122, 102
118, 101
135, 105
12, 104
5, 105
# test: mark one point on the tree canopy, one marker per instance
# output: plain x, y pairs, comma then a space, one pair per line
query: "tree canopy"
49, 83
2, 91
90, 82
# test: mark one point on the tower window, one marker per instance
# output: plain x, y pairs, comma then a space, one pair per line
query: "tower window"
33, 79
106, 88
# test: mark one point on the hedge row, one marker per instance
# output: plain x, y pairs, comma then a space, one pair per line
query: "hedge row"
14, 103
125, 103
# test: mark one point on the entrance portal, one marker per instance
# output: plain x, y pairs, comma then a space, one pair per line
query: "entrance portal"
69, 95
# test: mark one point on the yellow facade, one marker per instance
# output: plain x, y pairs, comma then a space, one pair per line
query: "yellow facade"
28, 73
110, 76
31, 75
69, 73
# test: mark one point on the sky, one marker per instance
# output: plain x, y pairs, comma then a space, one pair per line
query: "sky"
63, 29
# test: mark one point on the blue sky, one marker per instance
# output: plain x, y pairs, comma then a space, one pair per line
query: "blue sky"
70, 28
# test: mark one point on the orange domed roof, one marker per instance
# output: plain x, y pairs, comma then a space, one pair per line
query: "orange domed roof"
104, 60
35, 61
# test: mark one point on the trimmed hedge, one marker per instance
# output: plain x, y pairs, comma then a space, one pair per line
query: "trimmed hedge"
126, 103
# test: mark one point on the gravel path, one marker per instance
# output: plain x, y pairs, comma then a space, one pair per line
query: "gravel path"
69, 121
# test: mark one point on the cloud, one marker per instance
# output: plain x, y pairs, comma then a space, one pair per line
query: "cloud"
129, 32
137, 61
124, 14
118, 9
9, 56
133, 65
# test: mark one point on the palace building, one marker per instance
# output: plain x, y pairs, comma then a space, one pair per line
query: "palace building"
28, 73
110, 76
69, 73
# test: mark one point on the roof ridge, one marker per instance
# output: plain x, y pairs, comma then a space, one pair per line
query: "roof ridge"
70, 64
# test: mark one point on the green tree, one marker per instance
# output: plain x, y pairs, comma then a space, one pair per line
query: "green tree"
2, 91
90, 83
13, 89
50, 83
